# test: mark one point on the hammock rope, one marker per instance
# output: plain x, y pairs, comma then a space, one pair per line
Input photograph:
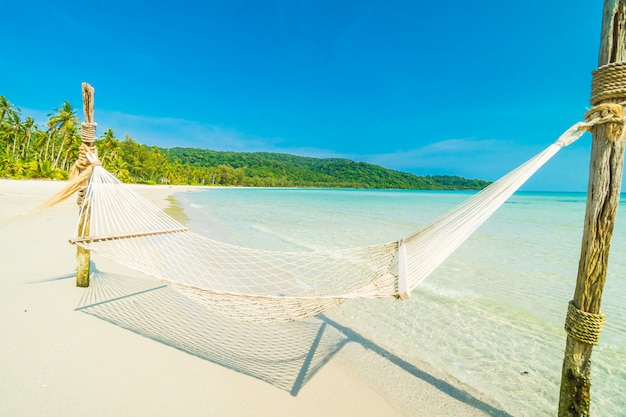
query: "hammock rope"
255, 285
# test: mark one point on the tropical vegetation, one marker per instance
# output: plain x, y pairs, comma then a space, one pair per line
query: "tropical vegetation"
28, 150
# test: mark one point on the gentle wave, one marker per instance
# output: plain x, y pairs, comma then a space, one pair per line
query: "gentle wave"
448, 292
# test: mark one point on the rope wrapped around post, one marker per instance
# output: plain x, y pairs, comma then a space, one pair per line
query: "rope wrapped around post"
609, 83
583, 326
87, 153
84, 165
81, 169
605, 120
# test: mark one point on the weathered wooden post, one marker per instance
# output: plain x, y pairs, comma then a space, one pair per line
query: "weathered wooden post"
584, 319
88, 136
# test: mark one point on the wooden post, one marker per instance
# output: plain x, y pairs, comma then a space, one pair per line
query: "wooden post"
605, 178
83, 256
83, 262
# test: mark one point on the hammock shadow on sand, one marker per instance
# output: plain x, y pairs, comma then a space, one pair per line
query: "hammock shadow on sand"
286, 355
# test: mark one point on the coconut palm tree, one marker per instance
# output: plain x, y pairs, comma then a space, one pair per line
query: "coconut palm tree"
5, 137
16, 125
5, 161
72, 149
119, 168
40, 139
30, 127
6, 108
50, 134
44, 169
64, 121
108, 146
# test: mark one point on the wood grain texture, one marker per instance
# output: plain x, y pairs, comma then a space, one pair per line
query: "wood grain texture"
605, 179
83, 256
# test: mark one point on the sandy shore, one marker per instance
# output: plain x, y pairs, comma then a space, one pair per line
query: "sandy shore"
57, 361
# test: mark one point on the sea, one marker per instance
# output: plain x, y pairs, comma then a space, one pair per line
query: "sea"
491, 316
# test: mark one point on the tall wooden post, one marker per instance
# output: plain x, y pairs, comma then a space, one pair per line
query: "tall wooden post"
83, 256
605, 178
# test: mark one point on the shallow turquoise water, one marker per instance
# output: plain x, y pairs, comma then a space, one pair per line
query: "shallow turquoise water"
492, 315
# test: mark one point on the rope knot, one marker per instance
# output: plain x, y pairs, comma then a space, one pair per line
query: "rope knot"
605, 113
608, 95
88, 156
611, 113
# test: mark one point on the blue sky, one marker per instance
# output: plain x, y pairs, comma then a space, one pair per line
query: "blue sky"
458, 87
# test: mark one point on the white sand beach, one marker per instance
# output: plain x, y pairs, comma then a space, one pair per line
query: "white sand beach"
58, 361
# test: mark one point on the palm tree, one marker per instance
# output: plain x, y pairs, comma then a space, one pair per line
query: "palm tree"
73, 149
109, 146
65, 121
119, 168
5, 161
169, 174
16, 125
44, 169
29, 125
40, 139
6, 108
18, 169
50, 133
5, 137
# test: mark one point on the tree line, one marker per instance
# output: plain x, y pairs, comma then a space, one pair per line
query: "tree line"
28, 150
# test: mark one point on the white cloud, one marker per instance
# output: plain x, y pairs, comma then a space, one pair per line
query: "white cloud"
453, 156
171, 132
468, 157
490, 160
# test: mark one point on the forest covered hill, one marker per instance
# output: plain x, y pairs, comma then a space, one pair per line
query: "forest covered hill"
28, 150
278, 169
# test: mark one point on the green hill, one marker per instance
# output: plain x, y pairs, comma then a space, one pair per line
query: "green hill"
30, 151
285, 170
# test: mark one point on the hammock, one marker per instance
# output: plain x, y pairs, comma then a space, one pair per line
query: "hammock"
256, 285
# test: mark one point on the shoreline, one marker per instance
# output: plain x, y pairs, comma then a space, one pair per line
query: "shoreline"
57, 361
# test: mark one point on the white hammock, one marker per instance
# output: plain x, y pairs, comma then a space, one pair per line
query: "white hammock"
259, 285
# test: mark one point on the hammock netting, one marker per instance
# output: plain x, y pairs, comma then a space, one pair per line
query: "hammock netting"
254, 285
